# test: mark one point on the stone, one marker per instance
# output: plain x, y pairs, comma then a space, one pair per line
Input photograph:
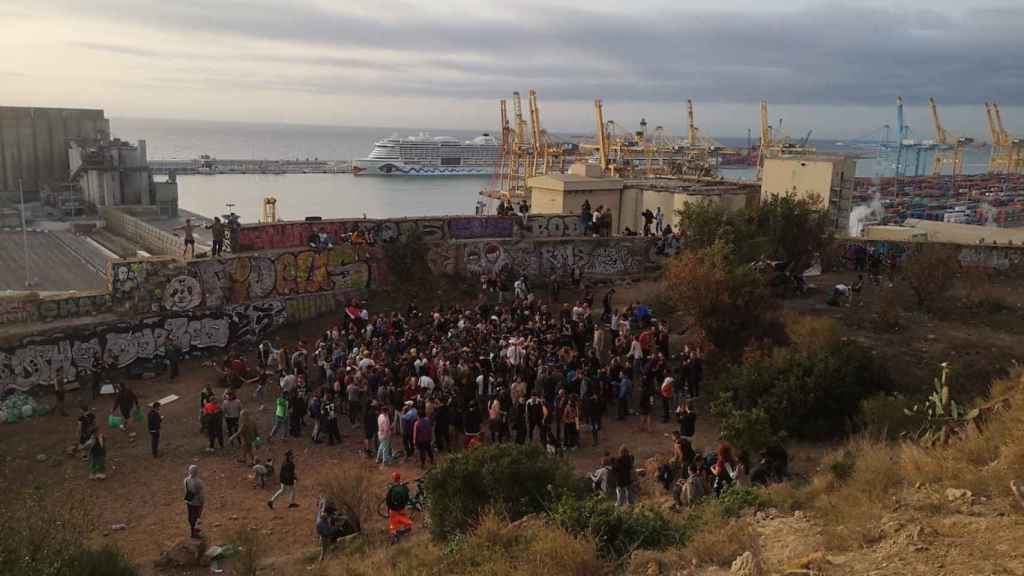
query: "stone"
185, 554
40, 457
955, 494
745, 565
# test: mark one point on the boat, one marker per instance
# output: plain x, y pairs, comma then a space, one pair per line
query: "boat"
425, 155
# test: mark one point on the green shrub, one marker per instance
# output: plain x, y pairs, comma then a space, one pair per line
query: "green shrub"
512, 480
749, 430
807, 394
617, 531
736, 500
888, 417
842, 468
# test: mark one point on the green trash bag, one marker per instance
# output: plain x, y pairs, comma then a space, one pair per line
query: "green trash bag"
258, 441
138, 416
115, 421
12, 416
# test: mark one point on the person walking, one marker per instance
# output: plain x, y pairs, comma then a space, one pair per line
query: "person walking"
195, 498
190, 240
280, 417
329, 419
288, 479
154, 420
125, 400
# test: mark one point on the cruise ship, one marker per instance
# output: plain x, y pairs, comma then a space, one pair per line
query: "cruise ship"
425, 155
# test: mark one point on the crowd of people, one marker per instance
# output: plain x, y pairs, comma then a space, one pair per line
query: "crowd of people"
406, 386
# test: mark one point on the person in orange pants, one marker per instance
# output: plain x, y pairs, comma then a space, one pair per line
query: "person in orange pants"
399, 523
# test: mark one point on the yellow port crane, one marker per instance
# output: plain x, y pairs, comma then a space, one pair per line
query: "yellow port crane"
602, 136
949, 150
774, 143
1007, 155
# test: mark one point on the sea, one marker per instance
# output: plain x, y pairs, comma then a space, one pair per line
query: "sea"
341, 195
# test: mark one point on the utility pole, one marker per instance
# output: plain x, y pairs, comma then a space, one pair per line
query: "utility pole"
24, 232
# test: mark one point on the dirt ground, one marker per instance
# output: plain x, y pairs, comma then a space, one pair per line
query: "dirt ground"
146, 493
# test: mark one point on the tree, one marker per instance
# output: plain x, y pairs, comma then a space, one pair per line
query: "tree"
728, 302
930, 270
706, 223
793, 229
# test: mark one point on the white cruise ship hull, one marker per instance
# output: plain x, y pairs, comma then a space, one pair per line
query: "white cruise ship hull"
367, 167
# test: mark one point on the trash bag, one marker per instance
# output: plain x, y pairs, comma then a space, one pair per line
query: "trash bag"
12, 416
115, 421
137, 415
41, 410
26, 411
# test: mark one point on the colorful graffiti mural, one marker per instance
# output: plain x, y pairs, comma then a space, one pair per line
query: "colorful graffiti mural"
32, 308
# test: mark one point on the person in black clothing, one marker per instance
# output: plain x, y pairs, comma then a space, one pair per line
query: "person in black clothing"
442, 422
296, 409
370, 428
687, 421
518, 416
534, 414
329, 419
86, 425
288, 479
154, 419
593, 410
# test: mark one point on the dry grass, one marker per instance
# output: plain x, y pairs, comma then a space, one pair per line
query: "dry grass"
861, 483
493, 548
718, 543
810, 333
353, 491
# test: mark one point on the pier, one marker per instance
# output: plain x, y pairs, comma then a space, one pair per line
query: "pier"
210, 166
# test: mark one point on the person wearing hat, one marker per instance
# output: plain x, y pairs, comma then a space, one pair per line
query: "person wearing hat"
397, 499
154, 420
288, 479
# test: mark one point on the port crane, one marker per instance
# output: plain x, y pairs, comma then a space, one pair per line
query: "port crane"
1007, 155
949, 149
774, 144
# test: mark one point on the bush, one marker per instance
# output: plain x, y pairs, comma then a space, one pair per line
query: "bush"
812, 395
728, 302
736, 500
354, 491
930, 270
617, 531
749, 430
250, 551
513, 480
886, 417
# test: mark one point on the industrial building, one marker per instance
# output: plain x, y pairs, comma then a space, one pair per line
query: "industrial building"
34, 144
828, 179
628, 199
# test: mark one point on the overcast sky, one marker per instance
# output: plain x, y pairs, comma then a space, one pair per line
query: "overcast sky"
832, 67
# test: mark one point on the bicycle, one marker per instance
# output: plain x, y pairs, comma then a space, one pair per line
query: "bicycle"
416, 506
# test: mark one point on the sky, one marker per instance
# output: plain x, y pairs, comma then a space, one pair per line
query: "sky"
835, 68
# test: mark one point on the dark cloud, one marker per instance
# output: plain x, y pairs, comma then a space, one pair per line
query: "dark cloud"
823, 55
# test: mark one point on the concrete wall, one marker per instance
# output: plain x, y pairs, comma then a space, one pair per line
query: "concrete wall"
596, 257
33, 143
152, 238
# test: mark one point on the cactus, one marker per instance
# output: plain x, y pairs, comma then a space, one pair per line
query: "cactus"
943, 417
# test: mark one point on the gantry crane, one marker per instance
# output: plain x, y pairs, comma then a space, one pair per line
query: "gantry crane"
1007, 155
949, 150
602, 137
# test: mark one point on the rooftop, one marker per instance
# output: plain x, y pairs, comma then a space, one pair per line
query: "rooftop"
58, 261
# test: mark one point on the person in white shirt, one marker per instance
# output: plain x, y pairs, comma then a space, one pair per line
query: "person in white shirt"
426, 383
384, 437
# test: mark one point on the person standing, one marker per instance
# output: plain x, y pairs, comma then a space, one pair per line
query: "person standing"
280, 417
124, 401
154, 420
329, 418
409, 417
288, 479
190, 240
687, 421
623, 471
217, 231
383, 437
422, 435
97, 456
173, 355
214, 417
232, 408
58, 389
195, 497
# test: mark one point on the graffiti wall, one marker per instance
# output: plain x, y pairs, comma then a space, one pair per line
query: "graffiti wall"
33, 308
296, 234
33, 361
594, 257
152, 285
1004, 259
